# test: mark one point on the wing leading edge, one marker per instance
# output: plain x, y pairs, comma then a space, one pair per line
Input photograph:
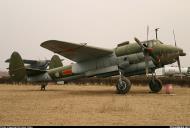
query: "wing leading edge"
75, 52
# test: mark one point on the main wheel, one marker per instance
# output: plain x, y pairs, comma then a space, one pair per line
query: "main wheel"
123, 86
155, 85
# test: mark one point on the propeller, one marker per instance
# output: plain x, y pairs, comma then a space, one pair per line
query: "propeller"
178, 60
146, 52
140, 44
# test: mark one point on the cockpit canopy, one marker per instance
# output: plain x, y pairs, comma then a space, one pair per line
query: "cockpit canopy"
151, 43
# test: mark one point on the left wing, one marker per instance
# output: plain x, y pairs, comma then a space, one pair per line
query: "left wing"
75, 52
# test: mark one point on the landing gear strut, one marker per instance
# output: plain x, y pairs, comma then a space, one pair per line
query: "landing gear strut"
43, 86
155, 84
123, 85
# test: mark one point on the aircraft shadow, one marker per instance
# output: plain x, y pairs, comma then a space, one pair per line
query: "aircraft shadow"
108, 92
91, 92
87, 92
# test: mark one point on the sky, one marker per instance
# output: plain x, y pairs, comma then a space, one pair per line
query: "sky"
25, 24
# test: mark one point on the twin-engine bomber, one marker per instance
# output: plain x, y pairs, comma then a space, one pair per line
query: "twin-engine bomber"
127, 59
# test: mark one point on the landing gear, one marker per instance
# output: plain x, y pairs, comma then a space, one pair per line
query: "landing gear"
43, 86
155, 84
123, 85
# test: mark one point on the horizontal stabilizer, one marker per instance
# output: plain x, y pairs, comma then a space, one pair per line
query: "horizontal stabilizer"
34, 72
37, 64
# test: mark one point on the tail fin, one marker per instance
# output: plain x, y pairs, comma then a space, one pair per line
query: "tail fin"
55, 62
17, 70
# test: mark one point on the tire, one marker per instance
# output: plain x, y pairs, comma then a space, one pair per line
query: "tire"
155, 85
124, 86
43, 86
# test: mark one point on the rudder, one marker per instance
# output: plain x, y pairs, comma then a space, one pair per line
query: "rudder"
55, 62
17, 69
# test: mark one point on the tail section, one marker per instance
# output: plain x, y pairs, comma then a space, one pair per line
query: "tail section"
17, 70
55, 62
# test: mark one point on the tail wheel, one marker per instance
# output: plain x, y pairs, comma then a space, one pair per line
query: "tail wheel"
43, 86
155, 85
123, 86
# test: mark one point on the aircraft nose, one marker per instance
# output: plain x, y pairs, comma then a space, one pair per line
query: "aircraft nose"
181, 53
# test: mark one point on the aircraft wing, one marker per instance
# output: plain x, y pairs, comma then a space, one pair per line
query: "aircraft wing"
75, 52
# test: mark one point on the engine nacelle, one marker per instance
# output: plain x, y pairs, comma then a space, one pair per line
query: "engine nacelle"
135, 58
139, 68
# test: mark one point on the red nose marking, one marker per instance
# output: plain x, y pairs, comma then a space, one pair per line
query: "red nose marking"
67, 72
69, 50
149, 49
158, 59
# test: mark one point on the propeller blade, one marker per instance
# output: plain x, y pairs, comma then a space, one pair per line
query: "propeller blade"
139, 43
179, 65
146, 64
178, 60
146, 54
147, 31
174, 38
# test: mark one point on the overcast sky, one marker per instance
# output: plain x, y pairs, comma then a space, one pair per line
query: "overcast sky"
25, 24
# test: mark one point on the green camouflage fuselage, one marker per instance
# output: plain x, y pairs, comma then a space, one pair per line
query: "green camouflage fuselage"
126, 58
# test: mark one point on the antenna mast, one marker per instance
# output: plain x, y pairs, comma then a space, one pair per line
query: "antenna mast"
174, 38
156, 30
147, 31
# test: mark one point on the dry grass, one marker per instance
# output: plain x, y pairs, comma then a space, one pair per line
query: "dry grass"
92, 105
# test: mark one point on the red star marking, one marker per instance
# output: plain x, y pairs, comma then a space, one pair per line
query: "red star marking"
69, 50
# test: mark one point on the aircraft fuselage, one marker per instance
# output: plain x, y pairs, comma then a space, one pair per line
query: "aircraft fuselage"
129, 59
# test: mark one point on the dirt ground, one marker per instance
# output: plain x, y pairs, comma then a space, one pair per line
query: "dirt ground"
92, 105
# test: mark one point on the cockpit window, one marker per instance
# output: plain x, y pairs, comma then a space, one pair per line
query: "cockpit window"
151, 43
154, 42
